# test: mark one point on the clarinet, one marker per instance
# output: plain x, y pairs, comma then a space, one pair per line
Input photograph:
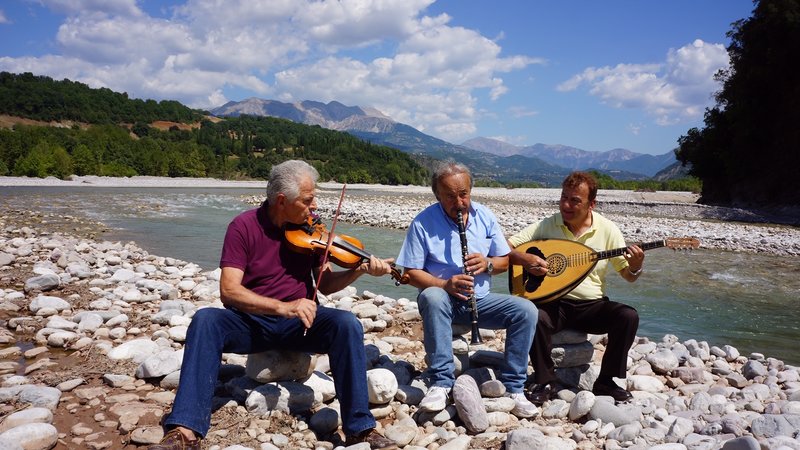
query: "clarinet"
476, 334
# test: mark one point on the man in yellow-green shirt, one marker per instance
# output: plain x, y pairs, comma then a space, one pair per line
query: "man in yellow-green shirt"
586, 308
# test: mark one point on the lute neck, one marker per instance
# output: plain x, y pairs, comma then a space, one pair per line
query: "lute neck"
605, 254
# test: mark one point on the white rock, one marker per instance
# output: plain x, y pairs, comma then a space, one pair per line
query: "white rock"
178, 334
645, 383
62, 338
679, 429
90, 322
117, 320
132, 296
160, 364
186, 285
792, 407
581, 405
381, 386
275, 365
30, 415
177, 320
146, 268
137, 350
117, 333
366, 310
662, 361
46, 301
61, 323
32, 436
322, 385
123, 275
40, 396
82, 343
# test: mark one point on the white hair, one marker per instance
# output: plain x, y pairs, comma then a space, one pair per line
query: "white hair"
285, 179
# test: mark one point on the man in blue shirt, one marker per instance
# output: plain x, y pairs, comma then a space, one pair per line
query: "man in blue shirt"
432, 258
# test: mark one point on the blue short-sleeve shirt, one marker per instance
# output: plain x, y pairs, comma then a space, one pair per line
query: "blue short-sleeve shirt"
433, 244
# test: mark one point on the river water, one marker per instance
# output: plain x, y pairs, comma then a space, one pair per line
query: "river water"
742, 299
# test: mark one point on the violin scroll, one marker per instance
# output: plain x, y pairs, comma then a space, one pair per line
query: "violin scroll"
398, 277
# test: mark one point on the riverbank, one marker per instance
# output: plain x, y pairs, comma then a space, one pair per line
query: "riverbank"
132, 182
642, 216
90, 350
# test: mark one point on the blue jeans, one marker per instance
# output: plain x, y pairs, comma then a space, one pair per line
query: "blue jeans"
495, 311
215, 331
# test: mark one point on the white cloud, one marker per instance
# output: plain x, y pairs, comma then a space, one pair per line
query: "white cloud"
93, 7
635, 128
360, 22
518, 141
419, 70
676, 90
210, 15
429, 83
3, 18
522, 111
117, 40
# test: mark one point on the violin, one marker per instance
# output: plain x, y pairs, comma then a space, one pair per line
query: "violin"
345, 251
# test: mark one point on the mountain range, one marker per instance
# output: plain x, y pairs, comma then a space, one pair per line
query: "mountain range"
489, 159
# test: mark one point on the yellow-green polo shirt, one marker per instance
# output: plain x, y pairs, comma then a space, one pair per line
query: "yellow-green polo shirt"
603, 235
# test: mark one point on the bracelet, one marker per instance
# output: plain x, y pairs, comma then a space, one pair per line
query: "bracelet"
635, 273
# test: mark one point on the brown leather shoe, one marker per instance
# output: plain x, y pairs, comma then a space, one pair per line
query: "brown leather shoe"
175, 440
375, 440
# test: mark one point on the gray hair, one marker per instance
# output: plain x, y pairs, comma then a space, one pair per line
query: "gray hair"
285, 179
445, 169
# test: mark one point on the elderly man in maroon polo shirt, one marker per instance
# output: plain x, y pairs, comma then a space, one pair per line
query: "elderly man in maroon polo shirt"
267, 289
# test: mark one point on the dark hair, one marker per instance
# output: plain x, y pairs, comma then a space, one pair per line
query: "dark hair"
575, 179
445, 169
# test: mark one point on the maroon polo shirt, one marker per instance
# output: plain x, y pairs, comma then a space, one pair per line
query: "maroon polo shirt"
256, 246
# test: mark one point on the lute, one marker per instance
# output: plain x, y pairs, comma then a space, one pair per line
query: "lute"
568, 263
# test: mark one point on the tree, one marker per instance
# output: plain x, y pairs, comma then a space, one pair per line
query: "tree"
85, 160
140, 129
747, 152
62, 163
43, 161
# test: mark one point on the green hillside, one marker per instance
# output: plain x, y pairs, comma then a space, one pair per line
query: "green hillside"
114, 135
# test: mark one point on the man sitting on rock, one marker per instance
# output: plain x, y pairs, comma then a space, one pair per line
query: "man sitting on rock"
586, 308
432, 257
267, 291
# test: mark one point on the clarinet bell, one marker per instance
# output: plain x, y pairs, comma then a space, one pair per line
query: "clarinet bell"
475, 337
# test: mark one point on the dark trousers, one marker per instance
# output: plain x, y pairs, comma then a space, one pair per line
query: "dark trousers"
589, 316
215, 331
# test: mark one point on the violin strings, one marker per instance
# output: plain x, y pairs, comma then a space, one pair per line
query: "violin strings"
327, 248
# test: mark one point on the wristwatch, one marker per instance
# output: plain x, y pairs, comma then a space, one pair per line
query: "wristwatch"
489, 266
635, 272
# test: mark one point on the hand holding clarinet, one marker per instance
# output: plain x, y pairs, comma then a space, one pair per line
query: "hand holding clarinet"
475, 333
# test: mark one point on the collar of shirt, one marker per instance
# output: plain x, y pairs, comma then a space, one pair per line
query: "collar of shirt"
568, 233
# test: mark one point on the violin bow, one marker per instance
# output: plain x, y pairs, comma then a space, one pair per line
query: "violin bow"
327, 248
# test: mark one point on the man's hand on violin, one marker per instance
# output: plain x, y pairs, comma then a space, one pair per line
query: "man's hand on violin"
460, 286
376, 266
302, 308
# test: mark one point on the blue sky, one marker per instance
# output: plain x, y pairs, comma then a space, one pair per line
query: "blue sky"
593, 75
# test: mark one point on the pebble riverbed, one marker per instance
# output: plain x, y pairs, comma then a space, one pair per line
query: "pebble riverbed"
126, 311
